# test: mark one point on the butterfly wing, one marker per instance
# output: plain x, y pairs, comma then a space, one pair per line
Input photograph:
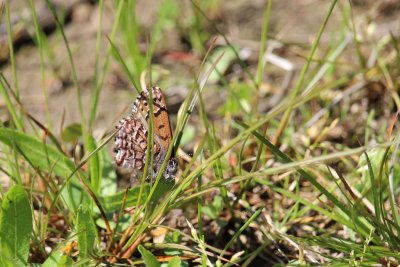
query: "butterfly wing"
162, 126
131, 143
131, 139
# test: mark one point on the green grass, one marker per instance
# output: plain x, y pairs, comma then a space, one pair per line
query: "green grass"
308, 181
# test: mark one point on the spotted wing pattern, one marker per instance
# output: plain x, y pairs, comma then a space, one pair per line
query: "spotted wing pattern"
131, 139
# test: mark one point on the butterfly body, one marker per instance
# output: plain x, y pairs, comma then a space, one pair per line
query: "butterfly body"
131, 139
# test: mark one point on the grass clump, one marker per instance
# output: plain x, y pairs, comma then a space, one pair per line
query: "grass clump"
302, 176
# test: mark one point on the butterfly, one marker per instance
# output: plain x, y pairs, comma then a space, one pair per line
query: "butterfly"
131, 138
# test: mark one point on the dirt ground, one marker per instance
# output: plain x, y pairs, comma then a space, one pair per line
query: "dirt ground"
291, 22
294, 24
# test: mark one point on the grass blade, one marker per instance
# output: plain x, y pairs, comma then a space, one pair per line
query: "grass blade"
304, 70
73, 69
11, 107
95, 166
264, 36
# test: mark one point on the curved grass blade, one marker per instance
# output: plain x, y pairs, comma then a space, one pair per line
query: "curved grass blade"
241, 62
244, 227
117, 54
299, 84
11, 107
98, 83
71, 61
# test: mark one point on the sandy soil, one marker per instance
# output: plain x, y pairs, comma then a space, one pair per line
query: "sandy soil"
291, 22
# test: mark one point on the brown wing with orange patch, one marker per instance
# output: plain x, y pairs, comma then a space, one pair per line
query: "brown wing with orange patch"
162, 127
131, 139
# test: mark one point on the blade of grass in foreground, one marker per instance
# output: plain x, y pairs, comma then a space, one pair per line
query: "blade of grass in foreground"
95, 166
40, 39
191, 100
116, 52
216, 29
157, 214
264, 36
362, 221
244, 227
182, 120
96, 90
301, 79
11, 107
73, 70
213, 146
98, 83
11, 48
148, 206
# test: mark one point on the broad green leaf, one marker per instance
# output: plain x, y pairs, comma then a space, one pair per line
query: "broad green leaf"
175, 262
57, 259
72, 133
15, 228
149, 259
86, 231
46, 158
